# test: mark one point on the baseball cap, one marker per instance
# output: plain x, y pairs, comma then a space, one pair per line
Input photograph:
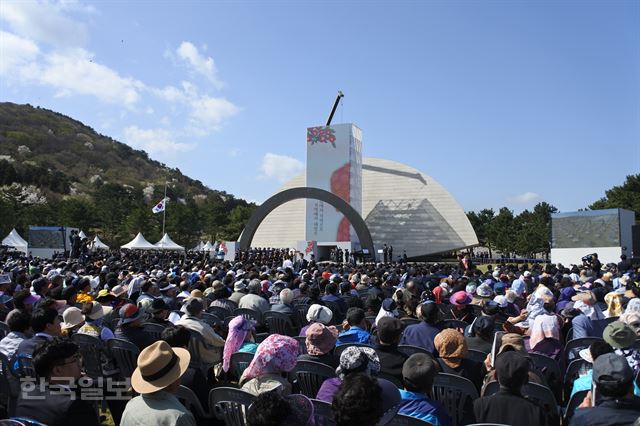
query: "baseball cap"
389, 329
612, 369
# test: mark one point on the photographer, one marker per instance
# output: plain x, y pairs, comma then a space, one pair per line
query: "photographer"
591, 261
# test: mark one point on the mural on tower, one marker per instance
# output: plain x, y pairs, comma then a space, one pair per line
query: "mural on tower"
334, 163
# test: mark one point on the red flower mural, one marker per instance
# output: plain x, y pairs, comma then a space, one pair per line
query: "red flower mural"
323, 134
343, 230
340, 182
309, 248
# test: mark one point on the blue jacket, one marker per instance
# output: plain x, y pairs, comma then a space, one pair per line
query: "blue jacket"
421, 335
354, 335
419, 406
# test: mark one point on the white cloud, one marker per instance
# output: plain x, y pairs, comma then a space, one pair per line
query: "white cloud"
202, 65
15, 53
154, 141
208, 113
45, 21
281, 167
525, 198
74, 72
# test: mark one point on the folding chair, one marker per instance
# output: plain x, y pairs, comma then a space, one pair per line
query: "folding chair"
572, 347
230, 405
302, 343
550, 371
310, 375
249, 314
301, 315
574, 370
279, 323
125, 355
152, 329
211, 319
92, 351
573, 403
409, 350
456, 394
7, 396
191, 402
219, 311
239, 362
452, 323
339, 349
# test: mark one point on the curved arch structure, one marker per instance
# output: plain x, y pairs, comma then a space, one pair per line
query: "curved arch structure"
314, 193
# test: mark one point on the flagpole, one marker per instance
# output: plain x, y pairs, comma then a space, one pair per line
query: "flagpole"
164, 211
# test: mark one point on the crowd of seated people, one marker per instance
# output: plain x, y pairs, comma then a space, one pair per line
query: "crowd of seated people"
388, 338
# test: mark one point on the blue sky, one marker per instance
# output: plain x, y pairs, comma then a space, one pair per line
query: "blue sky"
502, 102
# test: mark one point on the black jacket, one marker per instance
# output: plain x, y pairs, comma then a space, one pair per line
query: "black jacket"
509, 408
55, 409
391, 360
610, 412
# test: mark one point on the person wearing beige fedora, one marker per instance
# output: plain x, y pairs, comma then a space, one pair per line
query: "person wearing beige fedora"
72, 320
156, 379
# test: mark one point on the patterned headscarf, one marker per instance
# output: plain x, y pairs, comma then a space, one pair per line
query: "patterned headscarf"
239, 327
276, 354
633, 306
356, 358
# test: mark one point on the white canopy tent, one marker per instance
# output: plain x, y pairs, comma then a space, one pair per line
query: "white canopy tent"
208, 246
13, 239
199, 247
82, 235
166, 243
139, 243
99, 245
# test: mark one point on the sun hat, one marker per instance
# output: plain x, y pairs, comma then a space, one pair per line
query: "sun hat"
217, 285
512, 369
451, 346
512, 342
320, 339
319, 313
585, 297
460, 298
129, 313
71, 317
197, 294
167, 286
98, 311
619, 335
159, 365
471, 288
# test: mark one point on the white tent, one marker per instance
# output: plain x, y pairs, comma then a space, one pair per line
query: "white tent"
99, 245
207, 247
199, 246
82, 235
139, 243
167, 243
15, 240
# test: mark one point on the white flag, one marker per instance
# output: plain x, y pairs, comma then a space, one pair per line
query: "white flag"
158, 208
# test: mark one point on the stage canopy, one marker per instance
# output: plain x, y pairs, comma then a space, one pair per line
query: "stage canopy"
99, 245
166, 243
16, 241
139, 243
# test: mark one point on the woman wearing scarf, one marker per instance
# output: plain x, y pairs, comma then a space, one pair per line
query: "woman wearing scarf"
591, 322
275, 356
239, 339
631, 315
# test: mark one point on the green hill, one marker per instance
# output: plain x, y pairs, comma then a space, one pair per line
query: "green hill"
54, 170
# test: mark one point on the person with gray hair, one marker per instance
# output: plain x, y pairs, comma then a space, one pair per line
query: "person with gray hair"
211, 344
253, 300
286, 302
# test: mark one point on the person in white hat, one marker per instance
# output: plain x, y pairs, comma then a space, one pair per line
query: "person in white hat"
72, 320
157, 379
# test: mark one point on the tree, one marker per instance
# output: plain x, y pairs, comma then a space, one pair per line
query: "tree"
626, 196
77, 212
480, 222
501, 231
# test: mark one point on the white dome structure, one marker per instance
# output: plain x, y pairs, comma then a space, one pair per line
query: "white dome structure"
402, 207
